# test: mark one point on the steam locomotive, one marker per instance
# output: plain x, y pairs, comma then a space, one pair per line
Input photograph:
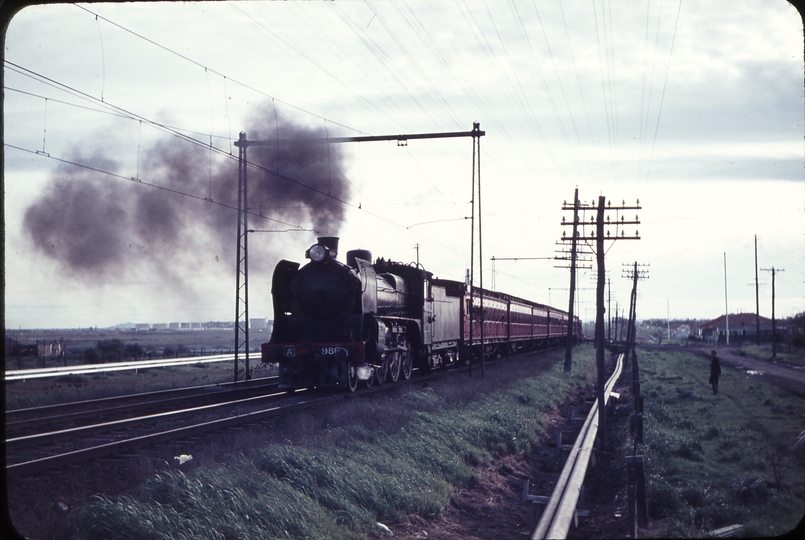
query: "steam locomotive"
336, 324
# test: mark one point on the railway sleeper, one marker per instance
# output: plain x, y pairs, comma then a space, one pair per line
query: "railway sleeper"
538, 503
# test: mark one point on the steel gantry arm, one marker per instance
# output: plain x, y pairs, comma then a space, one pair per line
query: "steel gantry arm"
242, 265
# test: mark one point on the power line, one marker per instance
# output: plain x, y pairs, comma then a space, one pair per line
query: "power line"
194, 62
140, 181
167, 129
110, 113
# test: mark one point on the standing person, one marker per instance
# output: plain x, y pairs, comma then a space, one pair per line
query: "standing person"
715, 371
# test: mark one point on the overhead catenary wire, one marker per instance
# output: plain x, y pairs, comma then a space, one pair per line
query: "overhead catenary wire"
664, 86
138, 181
128, 115
422, 33
106, 112
174, 132
188, 59
207, 69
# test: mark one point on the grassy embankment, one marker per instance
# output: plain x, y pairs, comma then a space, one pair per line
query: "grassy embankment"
718, 460
378, 459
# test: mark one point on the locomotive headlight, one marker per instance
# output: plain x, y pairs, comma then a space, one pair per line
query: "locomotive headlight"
318, 253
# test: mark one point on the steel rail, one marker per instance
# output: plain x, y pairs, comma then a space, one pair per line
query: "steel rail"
560, 510
125, 406
111, 401
86, 454
38, 373
39, 438
126, 445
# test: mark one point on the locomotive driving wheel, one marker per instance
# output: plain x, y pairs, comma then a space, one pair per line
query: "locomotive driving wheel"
352, 376
395, 366
382, 371
407, 364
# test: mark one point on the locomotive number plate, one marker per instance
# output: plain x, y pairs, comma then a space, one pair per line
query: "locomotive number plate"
333, 351
289, 352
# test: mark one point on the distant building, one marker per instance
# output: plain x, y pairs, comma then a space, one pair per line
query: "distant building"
258, 324
219, 325
742, 327
142, 327
51, 349
680, 331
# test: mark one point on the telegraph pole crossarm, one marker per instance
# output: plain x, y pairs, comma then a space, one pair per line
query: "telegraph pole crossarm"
600, 224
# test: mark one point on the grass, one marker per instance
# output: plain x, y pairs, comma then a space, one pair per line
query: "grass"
342, 470
785, 354
717, 460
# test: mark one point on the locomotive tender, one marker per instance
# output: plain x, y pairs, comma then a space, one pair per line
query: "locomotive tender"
336, 324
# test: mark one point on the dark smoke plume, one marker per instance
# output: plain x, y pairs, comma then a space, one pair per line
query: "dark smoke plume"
302, 154
102, 228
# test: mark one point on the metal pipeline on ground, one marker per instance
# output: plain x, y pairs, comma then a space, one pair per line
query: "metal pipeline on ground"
560, 510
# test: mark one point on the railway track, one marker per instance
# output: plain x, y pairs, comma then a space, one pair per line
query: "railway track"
89, 369
49, 437
25, 421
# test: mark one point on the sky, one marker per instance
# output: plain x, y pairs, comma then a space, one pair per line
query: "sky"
120, 168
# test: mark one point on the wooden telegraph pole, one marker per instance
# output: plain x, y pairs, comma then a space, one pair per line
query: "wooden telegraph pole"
601, 221
773, 271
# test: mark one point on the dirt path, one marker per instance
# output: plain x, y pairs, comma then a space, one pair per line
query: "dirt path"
791, 378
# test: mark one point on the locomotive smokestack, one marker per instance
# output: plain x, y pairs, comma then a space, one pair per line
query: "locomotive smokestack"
353, 254
331, 242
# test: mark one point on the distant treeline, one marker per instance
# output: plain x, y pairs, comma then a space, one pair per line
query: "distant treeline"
114, 350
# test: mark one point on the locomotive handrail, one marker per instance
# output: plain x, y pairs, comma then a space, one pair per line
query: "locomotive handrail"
561, 507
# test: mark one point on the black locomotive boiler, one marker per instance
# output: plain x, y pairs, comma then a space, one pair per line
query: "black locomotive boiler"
336, 324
